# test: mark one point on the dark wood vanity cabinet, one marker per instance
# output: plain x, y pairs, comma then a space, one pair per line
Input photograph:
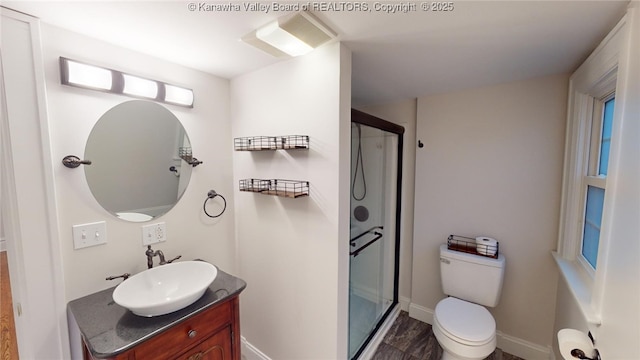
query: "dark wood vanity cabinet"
211, 334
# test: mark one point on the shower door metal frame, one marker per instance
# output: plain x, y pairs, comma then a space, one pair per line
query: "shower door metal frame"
360, 117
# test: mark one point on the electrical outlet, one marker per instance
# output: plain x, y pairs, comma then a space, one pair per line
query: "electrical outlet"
154, 233
85, 235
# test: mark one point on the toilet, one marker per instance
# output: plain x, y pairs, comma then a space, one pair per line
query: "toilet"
463, 326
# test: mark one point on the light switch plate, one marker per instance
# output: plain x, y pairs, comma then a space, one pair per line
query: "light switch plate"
154, 233
92, 234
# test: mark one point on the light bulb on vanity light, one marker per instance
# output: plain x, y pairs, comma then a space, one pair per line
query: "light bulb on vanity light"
136, 86
88, 76
177, 95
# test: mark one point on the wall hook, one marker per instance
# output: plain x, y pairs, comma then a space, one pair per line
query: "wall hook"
420, 144
186, 155
194, 162
72, 161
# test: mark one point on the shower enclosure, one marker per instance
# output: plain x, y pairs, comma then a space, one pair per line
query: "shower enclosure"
376, 168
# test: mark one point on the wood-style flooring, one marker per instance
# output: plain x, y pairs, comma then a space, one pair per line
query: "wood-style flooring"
8, 344
411, 339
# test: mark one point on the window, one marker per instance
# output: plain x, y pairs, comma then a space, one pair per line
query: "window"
596, 179
591, 174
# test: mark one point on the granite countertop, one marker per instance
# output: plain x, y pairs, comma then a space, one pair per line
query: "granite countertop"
109, 329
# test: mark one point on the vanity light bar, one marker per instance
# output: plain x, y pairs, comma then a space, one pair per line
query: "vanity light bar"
86, 76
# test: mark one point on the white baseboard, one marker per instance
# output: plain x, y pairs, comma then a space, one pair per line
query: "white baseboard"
372, 346
522, 348
507, 343
250, 352
3, 246
421, 313
404, 303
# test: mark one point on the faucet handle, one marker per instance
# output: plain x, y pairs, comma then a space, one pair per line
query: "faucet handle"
124, 276
174, 259
149, 254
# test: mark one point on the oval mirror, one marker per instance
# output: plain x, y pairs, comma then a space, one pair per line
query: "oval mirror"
136, 172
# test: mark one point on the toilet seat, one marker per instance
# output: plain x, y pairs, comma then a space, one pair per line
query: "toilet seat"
465, 322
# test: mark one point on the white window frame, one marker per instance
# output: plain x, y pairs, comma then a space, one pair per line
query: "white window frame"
590, 175
593, 82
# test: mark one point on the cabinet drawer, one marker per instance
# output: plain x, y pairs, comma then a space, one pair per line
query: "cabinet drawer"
185, 334
217, 347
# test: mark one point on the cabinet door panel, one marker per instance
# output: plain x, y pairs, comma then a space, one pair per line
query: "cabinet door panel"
217, 347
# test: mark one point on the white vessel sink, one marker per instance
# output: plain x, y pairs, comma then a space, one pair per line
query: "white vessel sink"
165, 288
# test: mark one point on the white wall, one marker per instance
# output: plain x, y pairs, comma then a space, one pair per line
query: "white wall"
72, 114
492, 165
293, 253
403, 113
617, 336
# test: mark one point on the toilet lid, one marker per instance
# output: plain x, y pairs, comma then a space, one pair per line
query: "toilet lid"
464, 320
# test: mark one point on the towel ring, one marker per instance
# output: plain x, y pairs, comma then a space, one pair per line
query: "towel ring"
210, 195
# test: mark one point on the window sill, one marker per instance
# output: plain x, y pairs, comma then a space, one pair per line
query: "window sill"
579, 285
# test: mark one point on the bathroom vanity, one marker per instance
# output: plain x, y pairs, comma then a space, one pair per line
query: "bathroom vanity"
206, 329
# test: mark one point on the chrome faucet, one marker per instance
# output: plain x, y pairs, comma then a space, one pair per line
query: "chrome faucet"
150, 254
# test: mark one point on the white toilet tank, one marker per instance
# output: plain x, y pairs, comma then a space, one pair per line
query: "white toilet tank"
474, 278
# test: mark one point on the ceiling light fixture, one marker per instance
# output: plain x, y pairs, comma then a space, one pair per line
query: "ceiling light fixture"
275, 36
78, 74
292, 35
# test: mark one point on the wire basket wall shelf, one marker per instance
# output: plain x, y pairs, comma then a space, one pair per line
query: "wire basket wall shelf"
261, 143
276, 187
470, 246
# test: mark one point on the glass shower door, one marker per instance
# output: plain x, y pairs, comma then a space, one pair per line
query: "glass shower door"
375, 158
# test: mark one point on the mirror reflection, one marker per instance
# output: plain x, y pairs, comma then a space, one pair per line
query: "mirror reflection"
136, 172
